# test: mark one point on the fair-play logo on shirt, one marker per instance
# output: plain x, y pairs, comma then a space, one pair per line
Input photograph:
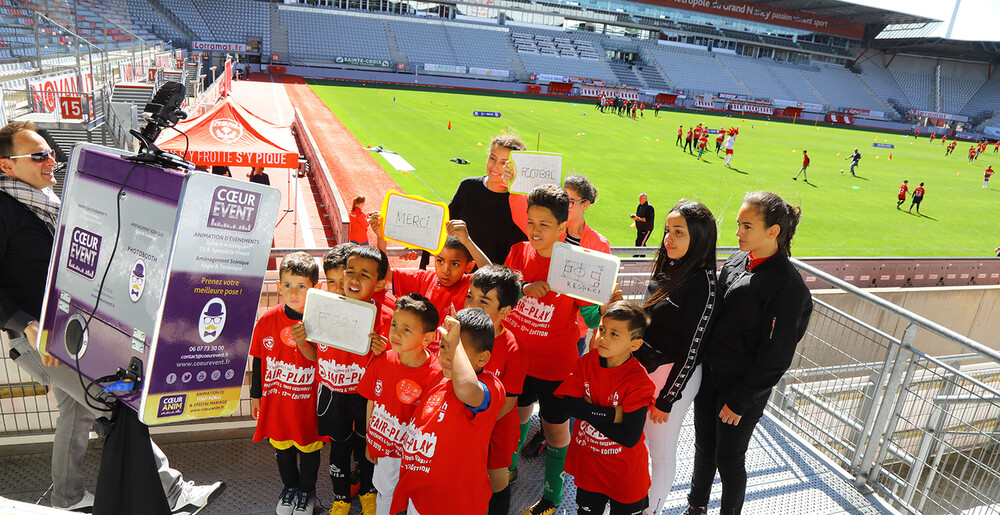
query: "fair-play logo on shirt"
531, 308
268, 343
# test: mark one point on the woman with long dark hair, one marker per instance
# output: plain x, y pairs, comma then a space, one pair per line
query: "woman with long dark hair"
680, 308
764, 308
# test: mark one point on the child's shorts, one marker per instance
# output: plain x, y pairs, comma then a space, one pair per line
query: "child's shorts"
504, 440
550, 407
340, 414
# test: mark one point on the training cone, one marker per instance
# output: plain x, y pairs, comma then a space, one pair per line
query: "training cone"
876, 157
657, 139
479, 144
958, 173
838, 154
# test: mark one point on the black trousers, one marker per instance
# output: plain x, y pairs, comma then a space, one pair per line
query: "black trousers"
641, 236
593, 503
301, 477
719, 446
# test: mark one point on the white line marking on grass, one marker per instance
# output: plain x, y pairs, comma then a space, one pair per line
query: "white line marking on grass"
414, 173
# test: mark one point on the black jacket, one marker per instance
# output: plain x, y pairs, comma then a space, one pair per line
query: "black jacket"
25, 246
763, 315
676, 333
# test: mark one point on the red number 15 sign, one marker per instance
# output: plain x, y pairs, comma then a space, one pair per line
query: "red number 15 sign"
71, 107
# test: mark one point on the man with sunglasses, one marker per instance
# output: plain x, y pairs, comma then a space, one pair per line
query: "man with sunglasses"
29, 214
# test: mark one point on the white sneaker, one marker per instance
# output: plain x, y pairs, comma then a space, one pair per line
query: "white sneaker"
86, 505
286, 501
194, 498
305, 504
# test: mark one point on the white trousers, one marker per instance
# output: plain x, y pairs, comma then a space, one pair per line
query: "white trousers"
661, 439
385, 478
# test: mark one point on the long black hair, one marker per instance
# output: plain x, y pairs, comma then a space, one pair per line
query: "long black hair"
775, 211
671, 273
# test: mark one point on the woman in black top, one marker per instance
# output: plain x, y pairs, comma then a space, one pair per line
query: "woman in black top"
680, 307
764, 308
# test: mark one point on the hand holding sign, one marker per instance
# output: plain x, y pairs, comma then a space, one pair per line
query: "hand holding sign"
414, 221
534, 169
337, 321
583, 273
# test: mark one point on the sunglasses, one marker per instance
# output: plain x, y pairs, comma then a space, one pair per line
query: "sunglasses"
37, 157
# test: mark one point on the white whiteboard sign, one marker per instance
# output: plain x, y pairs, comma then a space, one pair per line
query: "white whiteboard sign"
414, 221
533, 169
337, 321
583, 273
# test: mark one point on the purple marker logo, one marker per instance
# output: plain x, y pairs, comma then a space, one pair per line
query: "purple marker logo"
171, 405
233, 209
84, 249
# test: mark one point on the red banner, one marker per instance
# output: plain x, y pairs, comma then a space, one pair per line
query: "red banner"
765, 13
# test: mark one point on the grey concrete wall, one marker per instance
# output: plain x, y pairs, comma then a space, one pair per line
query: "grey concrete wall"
973, 311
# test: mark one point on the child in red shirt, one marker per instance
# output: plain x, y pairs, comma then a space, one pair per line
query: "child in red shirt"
680, 135
608, 393
986, 176
283, 386
903, 188
342, 411
448, 283
719, 139
802, 171
393, 383
358, 233
702, 143
494, 289
448, 437
544, 323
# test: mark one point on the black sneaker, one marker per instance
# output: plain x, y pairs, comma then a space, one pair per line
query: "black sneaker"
542, 507
535, 446
691, 510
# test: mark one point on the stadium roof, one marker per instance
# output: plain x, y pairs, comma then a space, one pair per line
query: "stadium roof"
840, 9
907, 33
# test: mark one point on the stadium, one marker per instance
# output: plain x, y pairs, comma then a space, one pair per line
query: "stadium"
890, 402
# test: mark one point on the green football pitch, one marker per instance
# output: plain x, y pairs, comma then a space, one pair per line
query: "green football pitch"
842, 215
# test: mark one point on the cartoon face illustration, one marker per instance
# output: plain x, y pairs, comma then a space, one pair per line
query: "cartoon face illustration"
137, 280
212, 320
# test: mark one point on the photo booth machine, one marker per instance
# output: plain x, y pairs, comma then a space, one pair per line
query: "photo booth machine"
155, 280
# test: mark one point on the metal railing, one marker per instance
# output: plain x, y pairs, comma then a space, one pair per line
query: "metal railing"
918, 430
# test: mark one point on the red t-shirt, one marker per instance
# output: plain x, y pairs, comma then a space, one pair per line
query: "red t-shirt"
689, 134
358, 226
720, 137
508, 365
426, 283
918, 192
395, 391
597, 463
545, 329
805, 160
444, 443
988, 173
288, 403
680, 132
339, 370
902, 190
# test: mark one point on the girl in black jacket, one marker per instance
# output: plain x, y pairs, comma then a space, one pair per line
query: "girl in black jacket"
680, 306
764, 308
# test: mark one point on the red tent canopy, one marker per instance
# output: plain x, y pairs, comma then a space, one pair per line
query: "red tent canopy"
230, 135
